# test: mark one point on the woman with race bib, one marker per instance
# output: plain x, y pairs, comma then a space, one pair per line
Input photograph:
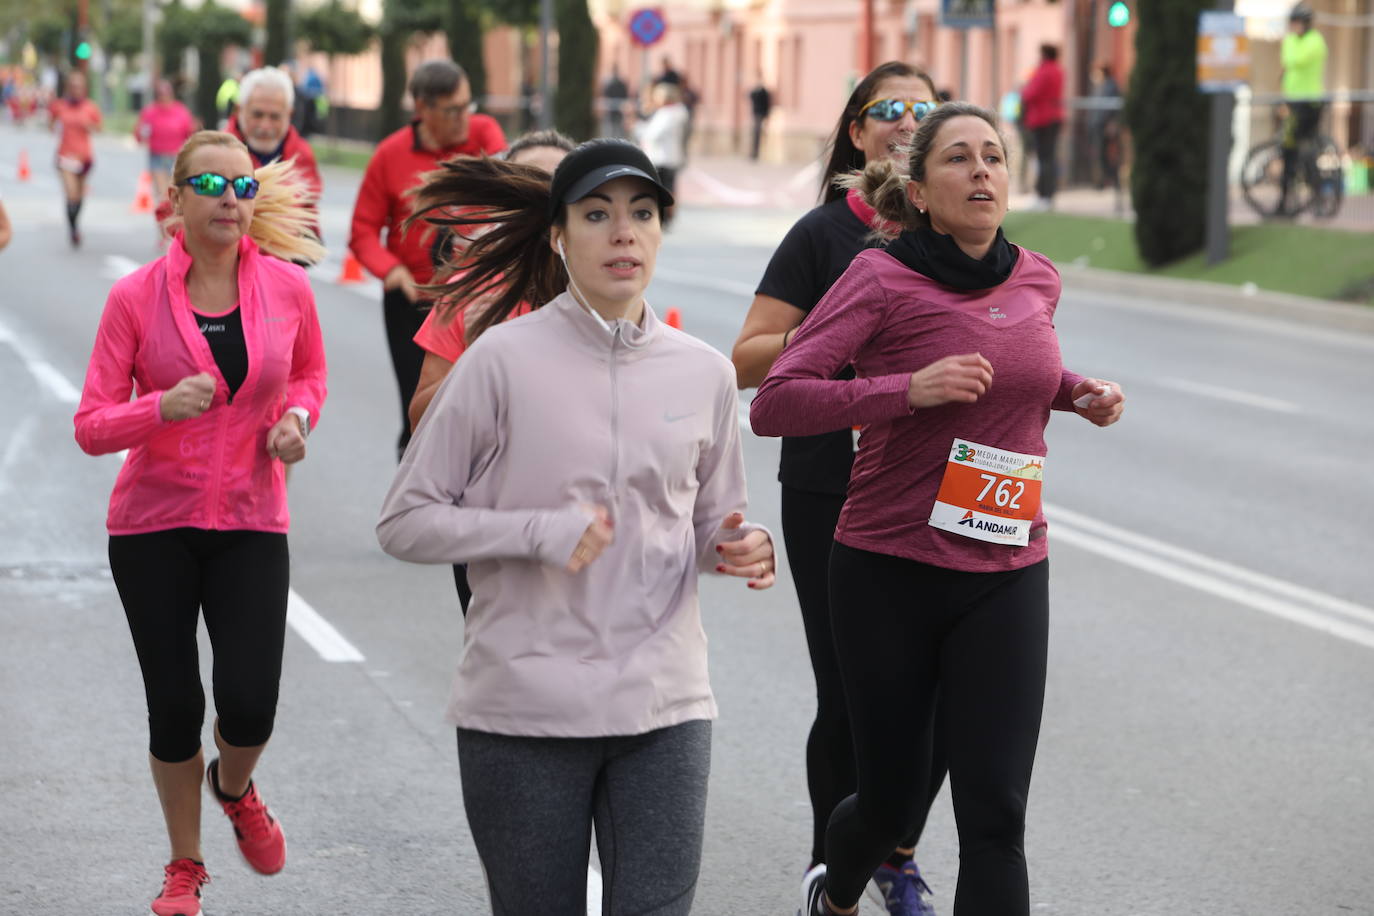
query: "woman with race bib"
939, 575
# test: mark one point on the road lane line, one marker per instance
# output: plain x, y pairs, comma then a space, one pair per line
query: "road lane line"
1216, 567
593, 892
318, 632
19, 443
1247, 594
41, 369
1230, 394
684, 278
117, 266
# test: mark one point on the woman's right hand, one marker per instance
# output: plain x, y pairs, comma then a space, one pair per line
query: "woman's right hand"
955, 379
188, 398
595, 539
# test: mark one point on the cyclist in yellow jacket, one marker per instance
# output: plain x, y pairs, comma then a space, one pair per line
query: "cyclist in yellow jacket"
1303, 83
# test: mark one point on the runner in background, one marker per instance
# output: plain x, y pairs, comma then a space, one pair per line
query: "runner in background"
876, 123
163, 126
208, 366
443, 336
6, 230
939, 577
262, 120
446, 125
74, 117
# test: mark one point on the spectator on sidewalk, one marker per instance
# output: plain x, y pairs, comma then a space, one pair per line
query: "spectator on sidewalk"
614, 94
1105, 126
263, 122
1303, 81
663, 137
446, 125
668, 74
761, 106
1042, 111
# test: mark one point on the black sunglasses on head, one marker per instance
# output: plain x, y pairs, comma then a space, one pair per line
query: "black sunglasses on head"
212, 184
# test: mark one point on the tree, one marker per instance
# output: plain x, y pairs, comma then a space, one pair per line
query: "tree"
463, 23
216, 28
176, 34
277, 23
400, 21
331, 30
1169, 121
577, 49
123, 34
48, 35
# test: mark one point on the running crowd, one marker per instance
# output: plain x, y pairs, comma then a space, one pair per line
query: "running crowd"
903, 348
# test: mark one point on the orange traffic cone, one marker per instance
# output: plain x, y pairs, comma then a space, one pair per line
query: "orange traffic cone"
673, 318
24, 172
143, 197
352, 270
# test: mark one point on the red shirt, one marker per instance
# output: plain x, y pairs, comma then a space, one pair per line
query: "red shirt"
165, 127
382, 203
1042, 98
76, 120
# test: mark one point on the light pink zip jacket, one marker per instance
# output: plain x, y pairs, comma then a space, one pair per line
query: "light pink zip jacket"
543, 415
212, 471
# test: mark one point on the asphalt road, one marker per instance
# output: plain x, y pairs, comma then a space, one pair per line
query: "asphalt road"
1208, 742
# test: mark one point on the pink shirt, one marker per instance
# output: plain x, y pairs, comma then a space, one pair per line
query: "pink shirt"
165, 127
889, 321
212, 471
449, 339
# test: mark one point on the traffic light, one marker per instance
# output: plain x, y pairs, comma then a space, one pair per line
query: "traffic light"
1119, 14
83, 50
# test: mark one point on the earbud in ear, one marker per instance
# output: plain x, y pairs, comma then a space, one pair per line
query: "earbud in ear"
561, 252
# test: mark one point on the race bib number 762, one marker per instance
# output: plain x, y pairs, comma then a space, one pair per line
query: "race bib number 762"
989, 494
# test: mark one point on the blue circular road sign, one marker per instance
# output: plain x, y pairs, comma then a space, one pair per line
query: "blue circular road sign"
647, 26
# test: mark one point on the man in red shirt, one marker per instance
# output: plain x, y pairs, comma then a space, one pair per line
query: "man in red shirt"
1042, 113
263, 122
445, 126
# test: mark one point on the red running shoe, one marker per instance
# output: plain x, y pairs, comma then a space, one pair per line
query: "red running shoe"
259, 833
181, 889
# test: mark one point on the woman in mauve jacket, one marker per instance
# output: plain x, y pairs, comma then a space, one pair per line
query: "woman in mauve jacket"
584, 461
219, 346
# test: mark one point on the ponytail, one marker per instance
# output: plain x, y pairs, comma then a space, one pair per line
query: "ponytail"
510, 262
882, 185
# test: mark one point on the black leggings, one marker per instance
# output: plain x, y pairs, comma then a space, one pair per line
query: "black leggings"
905, 631
403, 319
808, 530
239, 579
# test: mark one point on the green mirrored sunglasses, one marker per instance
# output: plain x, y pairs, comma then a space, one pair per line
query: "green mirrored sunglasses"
212, 184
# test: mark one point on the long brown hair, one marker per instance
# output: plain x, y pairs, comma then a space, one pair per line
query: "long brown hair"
883, 185
511, 262
844, 156
283, 211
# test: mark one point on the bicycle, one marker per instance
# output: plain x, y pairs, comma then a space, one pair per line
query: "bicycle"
1318, 185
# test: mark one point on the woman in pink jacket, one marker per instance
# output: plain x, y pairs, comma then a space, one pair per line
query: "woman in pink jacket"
219, 345
584, 461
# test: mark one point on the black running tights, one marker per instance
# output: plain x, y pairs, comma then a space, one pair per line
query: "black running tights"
239, 579
808, 530
905, 632
403, 319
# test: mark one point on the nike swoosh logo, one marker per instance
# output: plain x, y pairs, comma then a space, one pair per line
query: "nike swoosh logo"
673, 418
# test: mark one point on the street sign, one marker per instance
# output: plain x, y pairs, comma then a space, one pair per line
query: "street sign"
1223, 52
967, 14
647, 26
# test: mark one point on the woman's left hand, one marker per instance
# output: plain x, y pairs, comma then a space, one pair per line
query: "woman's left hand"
285, 440
1103, 401
750, 557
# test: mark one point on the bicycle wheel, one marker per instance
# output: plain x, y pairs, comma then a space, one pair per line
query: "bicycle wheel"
1327, 178
1261, 181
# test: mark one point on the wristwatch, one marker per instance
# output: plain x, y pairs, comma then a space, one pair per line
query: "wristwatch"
302, 417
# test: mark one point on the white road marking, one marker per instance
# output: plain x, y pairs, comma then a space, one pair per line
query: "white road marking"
593, 892
1295, 603
318, 632
19, 443
117, 266
685, 278
41, 369
1230, 394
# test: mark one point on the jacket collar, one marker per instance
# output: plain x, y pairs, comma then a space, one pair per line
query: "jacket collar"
178, 266
599, 334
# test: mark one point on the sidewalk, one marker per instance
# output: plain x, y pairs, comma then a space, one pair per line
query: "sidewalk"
726, 181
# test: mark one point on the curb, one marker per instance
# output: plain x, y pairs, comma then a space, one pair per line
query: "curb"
1338, 316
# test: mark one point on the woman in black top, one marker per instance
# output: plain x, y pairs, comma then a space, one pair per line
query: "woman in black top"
877, 121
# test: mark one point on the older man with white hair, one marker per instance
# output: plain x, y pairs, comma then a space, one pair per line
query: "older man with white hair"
263, 122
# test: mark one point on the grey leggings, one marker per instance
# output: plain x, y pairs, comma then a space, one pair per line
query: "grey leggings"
531, 803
